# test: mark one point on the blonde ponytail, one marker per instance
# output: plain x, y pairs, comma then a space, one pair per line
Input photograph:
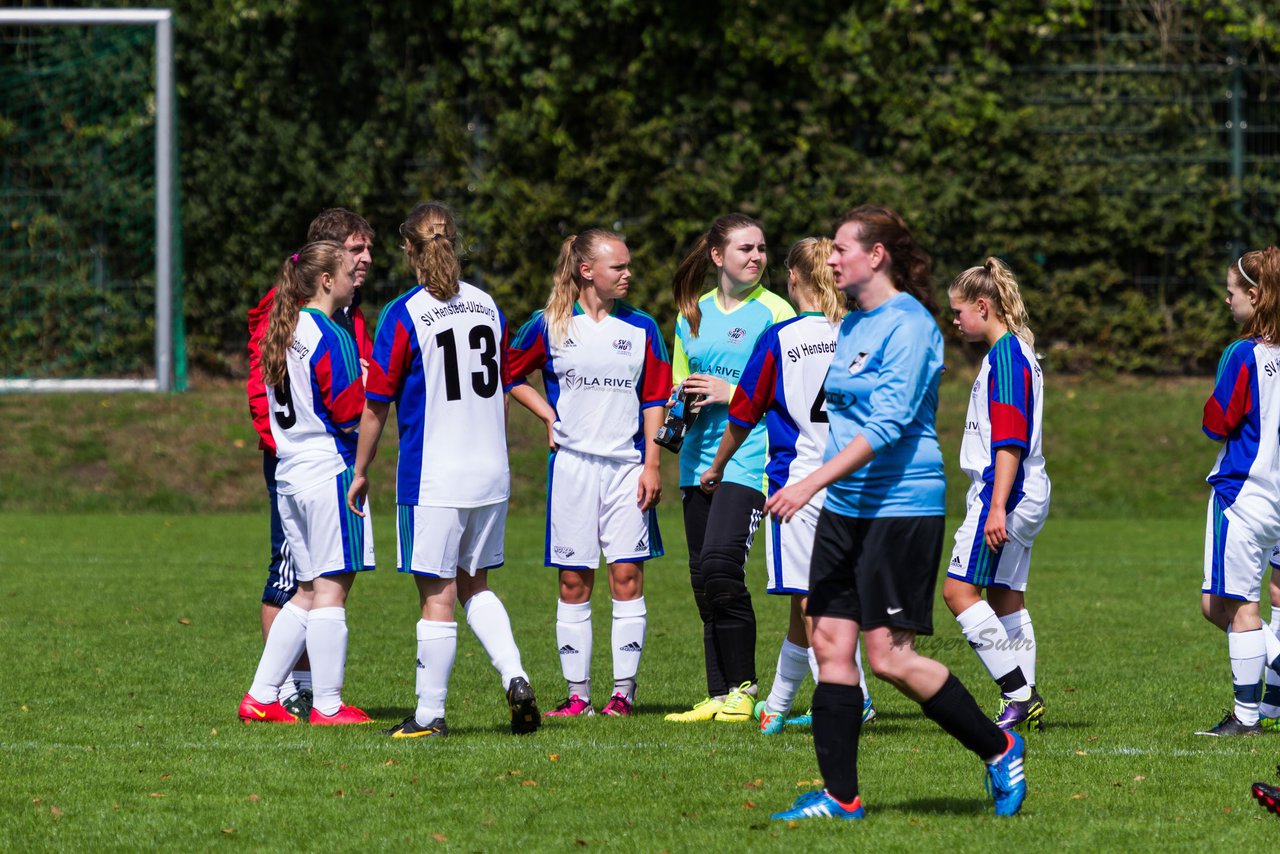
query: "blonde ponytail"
432, 238
297, 284
808, 260
995, 283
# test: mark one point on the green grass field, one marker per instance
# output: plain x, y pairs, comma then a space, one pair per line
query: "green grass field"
129, 639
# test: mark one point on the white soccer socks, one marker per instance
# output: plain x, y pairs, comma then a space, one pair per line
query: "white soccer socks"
987, 635
1248, 651
1022, 639
437, 647
327, 649
629, 623
573, 637
285, 642
793, 666
488, 619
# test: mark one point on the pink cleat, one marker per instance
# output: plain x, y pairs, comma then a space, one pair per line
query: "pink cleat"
617, 707
572, 707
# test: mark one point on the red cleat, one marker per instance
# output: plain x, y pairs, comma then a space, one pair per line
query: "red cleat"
344, 715
253, 712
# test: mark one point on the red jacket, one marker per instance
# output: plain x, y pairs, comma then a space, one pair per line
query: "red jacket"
258, 409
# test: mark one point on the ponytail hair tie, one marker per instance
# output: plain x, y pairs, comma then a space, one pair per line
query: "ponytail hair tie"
294, 257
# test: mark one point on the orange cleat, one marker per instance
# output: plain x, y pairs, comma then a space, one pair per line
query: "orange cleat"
253, 712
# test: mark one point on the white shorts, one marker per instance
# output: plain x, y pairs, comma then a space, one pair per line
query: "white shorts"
439, 541
323, 535
973, 561
789, 550
1236, 550
592, 509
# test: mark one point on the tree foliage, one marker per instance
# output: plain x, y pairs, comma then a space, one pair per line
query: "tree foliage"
538, 119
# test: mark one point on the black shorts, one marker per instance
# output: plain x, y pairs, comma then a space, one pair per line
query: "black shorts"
876, 572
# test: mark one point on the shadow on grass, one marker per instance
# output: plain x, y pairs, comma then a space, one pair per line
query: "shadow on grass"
977, 805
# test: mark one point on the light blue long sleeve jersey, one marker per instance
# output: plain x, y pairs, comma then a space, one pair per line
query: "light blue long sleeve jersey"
883, 385
721, 349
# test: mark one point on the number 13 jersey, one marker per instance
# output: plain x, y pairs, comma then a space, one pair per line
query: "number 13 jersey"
444, 364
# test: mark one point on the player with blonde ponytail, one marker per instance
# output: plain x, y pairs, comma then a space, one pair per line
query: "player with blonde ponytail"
606, 376
311, 370
440, 355
1008, 497
1243, 413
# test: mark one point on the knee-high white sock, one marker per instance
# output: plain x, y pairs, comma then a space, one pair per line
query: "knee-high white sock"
327, 649
1248, 653
793, 666
489, 620
1022, 641
437, 647
629, 623
285, 642
573, 636
985, 633
813, 664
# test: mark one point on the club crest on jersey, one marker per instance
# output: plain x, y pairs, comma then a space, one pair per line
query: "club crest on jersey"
859, 362
622, 345
736, 333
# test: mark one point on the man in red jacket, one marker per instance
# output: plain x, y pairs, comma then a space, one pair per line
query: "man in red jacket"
356, 236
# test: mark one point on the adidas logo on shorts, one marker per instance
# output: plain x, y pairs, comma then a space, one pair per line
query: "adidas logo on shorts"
631, 647
568, 650
955, 562
421, 666
642, 546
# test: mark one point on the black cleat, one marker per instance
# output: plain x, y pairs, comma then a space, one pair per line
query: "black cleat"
1268, 797
525, 717
1231, 726
410, 728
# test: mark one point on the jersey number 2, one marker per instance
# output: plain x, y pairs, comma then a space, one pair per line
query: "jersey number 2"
285, 416
484, 382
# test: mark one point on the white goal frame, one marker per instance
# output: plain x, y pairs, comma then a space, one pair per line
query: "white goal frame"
162, 20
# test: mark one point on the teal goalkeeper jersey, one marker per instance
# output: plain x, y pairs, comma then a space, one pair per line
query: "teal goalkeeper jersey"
721, 349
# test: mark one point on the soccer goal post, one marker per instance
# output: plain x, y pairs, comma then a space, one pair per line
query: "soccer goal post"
89, 225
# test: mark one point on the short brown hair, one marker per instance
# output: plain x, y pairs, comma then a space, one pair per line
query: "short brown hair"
337, 224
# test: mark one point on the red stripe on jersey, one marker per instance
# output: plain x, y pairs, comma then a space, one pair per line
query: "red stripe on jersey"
386, 381
518, 364
655, 378
348, 406
1221, 422
752, 407
1008, 425
323, 370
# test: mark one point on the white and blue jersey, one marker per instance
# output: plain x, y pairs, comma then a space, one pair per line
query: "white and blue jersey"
1243, 523
599, 380
1244, 414
782, 384
883, 385
321, 397
1006, 410
444, 364
721, 349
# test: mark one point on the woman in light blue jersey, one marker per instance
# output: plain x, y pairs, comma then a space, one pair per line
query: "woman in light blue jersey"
715, 333
879, 535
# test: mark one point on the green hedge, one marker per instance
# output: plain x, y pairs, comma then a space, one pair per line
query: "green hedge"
535, 120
